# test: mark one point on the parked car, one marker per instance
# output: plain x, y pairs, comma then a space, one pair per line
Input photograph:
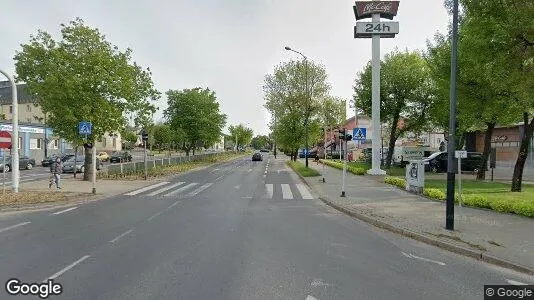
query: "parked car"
257, 157
48, 161
437, 162
68, 166
103, 156
264, 150
119, 157
25, 163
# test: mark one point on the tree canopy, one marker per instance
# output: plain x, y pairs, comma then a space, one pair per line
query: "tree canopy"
241, 133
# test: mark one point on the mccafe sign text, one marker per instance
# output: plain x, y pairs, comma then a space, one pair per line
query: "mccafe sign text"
366, 9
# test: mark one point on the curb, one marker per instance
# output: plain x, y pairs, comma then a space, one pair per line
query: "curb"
479, 255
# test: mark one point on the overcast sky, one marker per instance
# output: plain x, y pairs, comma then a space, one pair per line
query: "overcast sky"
227, 45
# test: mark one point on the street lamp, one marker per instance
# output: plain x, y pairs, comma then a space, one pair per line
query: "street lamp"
307, 98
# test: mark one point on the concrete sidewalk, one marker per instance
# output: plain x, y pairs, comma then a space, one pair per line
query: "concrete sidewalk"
502, 239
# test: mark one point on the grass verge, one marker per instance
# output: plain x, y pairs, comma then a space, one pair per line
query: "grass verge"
490, 195
22, 198
302, 169
360, 168
160, 171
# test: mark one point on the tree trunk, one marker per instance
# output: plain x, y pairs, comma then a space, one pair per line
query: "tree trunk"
523, 153
392, 140
88, 168
481, 175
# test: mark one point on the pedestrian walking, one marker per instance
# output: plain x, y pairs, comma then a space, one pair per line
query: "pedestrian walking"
56, 170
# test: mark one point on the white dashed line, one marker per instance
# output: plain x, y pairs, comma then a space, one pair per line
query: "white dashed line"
192, 184
309, 297
423, 259
145, 189
237, 186
304, 191
67, 268
122, 235
173, 205
14, 226
269, 189
65, 210
513, 282
151, 218
165, 189
250, 170
286, 191
198, 190
217, 179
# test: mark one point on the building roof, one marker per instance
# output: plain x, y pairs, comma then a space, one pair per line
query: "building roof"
22, 94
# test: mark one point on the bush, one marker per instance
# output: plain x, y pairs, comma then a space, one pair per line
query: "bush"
501, 205
357, 171
476, 200
525, 208
434, 193
302, 169
400, 182
338, 165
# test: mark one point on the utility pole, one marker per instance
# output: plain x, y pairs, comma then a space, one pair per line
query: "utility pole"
451, 143
15, 172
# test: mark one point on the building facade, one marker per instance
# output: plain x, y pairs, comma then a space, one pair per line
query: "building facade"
34, 135
506, 140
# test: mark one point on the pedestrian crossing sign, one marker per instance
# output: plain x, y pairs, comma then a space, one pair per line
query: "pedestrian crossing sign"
359, 134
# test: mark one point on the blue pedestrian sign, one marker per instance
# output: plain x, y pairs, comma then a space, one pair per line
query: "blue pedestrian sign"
359, 134
85, 128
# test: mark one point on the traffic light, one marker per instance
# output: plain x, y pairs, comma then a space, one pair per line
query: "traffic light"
348, 137
88, 145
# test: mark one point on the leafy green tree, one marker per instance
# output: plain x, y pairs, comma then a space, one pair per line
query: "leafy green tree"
241, 133
406, 93
260, 142
294, 93
162, 135
130, 138
83, 77
502, 44
194, 114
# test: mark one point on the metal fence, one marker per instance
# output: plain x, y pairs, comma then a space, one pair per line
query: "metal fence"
133, 167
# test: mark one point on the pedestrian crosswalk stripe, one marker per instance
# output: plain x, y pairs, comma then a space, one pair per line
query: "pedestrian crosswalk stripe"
304, 191
146, 188
180, 189
269, 188
156, 192
198, 190
286, 192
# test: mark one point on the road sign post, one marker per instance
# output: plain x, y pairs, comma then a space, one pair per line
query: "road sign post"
144, 137
376, 30
459, 155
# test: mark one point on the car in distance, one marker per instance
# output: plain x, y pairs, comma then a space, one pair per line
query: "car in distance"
264, 150
25, 163
257, 157
103, 156
437, 162
50, 160
69, 165
119, 157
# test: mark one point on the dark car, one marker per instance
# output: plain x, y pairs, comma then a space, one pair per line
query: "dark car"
119, 157
257, 157
264, 150
48, 161
25, 163
68, 165
437, 162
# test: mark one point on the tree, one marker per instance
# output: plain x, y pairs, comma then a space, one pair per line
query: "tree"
292, 106
504, 47
194, 114
241, 133
83, 77
406, 93
260, 142
130, 137
162, 135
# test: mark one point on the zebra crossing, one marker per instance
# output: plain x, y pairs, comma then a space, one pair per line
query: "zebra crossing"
283, 191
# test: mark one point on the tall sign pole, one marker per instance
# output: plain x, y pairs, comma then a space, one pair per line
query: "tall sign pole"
451, 143
376, 30
15, 175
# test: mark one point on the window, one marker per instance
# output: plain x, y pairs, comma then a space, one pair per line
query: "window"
114, 142
28, 107
20, 142
36, 144
56, 144
11, 109
104, 141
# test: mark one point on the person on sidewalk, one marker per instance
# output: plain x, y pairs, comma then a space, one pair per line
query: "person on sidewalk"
56, 170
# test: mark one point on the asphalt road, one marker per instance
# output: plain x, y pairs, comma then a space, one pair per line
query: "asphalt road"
240, 230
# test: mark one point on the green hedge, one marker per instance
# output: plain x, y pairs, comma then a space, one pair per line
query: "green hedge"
519, 207
302, 169
400, 182
339, 165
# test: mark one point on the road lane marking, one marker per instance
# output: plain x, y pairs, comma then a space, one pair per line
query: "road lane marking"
286, 191
67, 268
423, 259
513, 282
269, 188
265, 173
156, 192
65, 210
237, 186
214, 170
309, 297
250, 170
198, 190
120, 236
180, 189
246, 197
304, 191
173, 205
14, 226
146, 188
217, 179
153, 216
